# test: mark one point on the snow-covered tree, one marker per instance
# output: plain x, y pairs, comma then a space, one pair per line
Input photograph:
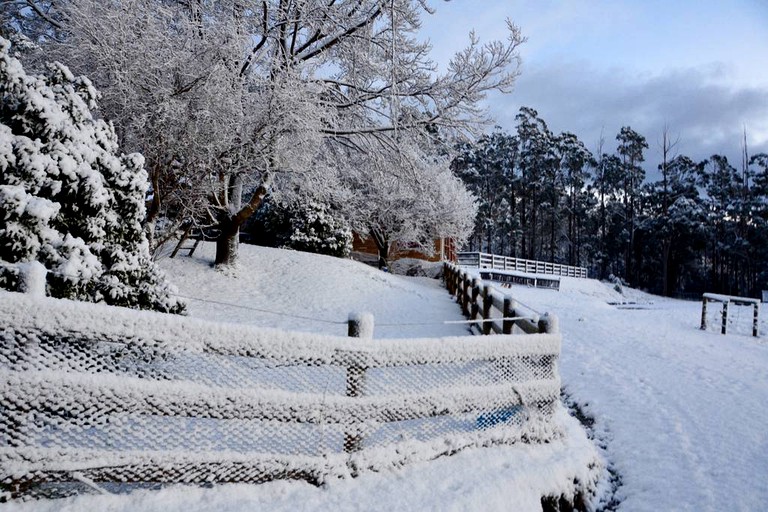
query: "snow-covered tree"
407, 196
487, 167
68, 199
230, 101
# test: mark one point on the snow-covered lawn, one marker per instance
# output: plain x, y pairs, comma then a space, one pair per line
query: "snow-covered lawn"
312, 293
684, 413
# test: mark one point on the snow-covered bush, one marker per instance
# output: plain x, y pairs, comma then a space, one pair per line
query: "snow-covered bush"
317, 228
311, 226
68, 199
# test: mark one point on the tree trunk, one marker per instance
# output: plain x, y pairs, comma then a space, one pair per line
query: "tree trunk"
227, 242
229, 225
382, 244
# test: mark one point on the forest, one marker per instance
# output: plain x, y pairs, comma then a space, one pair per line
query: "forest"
701, 226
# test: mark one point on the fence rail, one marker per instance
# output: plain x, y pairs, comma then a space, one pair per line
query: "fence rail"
494, 312
495, 262
102, 394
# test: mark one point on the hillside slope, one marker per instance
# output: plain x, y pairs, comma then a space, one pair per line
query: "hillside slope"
309, 292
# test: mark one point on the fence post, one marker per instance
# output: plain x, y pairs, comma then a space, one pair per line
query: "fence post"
455, 282
725, 317
703, 313
548, 323
33, 275
755, 319
509, 312
464, 301
487, 303
359, 325
474, 306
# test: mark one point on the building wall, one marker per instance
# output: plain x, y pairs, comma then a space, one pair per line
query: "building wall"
443, 249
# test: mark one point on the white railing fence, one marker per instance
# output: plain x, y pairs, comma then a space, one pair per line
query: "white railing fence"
110, 396
495, 262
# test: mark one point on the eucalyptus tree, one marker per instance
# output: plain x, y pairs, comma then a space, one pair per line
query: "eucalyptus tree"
723, 185
230, 100
487, 168
536, 158
631, 146
607, 186
674, 224
575, 161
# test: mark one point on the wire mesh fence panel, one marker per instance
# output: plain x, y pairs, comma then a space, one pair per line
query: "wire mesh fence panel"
118, 396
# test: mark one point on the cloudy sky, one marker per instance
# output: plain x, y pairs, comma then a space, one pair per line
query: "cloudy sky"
700, 66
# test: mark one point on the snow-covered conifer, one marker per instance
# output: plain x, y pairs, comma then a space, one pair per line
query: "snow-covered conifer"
68, 199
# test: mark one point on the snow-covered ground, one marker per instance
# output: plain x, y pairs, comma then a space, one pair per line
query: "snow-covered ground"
683, 412
298, 291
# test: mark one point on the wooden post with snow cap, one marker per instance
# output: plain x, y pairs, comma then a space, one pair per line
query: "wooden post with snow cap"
359, 325
33, 280
755, 319
724, 326
474, 310
548, 323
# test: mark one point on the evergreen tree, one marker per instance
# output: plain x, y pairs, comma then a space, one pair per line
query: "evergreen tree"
575, 160
487, 168
310, 226
630, 149
68, 199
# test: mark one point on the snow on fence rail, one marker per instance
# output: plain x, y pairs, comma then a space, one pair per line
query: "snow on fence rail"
93, 393
492, 311
495, 262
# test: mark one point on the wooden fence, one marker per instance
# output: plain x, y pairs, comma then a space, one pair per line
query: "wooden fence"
107, 396
494, 312
495, 262
726, 300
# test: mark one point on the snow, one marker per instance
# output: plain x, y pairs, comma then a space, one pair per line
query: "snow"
34, 278
729, 298
680, 412
274, 287
487, 479
547, 469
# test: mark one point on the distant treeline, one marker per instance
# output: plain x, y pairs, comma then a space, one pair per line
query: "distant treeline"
702, 226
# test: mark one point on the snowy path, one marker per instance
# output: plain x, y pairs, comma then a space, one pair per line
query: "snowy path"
685, 412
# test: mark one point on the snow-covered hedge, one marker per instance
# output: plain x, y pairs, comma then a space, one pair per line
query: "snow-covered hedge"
68, 198
120, 395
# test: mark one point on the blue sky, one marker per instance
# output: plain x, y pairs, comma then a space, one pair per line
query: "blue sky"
589, 66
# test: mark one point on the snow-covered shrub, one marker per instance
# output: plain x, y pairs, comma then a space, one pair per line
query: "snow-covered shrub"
618, 284
68, 199
317, 228
311, 226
